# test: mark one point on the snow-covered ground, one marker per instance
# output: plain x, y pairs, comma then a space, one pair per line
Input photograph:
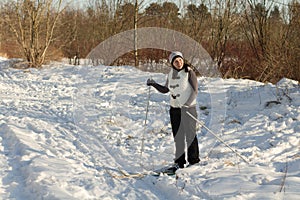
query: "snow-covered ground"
66, 132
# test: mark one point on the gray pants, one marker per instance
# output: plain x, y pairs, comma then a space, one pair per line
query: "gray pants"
184, 132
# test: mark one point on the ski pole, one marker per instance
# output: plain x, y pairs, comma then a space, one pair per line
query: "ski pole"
220, 139
145, 123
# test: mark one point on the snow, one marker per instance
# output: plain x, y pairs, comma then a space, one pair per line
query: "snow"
67, 131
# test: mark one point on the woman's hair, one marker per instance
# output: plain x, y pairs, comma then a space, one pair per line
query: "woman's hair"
187, 65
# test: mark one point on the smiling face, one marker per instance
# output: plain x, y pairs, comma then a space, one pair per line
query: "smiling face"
178, 63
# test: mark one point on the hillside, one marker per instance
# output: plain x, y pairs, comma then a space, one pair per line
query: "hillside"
67, 131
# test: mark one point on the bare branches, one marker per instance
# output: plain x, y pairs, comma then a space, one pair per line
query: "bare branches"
256, 39
33, 25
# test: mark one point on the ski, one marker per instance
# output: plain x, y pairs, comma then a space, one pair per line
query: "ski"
171, 170
168, 170
126, 174
123, 174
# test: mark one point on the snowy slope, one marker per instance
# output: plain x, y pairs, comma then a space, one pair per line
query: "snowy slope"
66, 132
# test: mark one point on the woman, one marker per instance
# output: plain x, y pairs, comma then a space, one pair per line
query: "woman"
183, 87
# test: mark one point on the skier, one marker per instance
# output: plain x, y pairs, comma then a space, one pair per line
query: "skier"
183, 87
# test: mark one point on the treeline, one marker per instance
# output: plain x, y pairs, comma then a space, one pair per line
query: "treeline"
255, 39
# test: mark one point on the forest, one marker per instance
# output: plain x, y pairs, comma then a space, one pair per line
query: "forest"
253, 39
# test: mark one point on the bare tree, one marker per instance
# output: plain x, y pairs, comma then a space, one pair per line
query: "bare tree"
237, 34
292, 44
221, 21
32, 24
196, 21
68, 43
136, 14
257, 31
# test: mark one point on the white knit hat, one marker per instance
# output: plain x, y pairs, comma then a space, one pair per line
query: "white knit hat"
174, 55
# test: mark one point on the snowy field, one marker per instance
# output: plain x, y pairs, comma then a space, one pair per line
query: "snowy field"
67, 132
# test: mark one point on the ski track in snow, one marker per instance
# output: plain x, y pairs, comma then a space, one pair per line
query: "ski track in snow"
65, 129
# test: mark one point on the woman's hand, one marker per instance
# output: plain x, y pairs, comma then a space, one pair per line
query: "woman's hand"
150, 82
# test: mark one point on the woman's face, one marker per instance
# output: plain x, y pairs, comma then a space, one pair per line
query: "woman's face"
178, 63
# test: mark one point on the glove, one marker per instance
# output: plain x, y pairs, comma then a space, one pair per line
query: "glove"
150, 82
